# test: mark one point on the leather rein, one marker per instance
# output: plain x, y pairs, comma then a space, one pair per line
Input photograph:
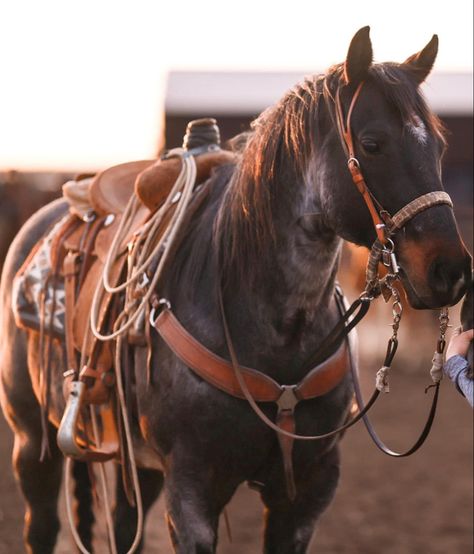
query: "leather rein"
326, 367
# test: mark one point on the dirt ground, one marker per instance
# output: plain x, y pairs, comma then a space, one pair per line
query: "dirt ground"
422, 504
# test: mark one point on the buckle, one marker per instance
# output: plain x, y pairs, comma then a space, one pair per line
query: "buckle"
353, 161
157, 307
288, 399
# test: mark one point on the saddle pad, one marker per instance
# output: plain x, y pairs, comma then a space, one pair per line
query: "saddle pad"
35, 294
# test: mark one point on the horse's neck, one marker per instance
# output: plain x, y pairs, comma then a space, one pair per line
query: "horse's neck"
301, 277
306, 256
288, 312
276, 320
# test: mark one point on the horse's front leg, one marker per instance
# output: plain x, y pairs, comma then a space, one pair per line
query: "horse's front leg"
289, 526
196, 493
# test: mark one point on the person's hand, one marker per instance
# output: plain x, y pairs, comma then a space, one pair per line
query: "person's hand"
459, 343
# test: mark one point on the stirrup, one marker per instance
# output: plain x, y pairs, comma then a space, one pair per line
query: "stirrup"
67, 437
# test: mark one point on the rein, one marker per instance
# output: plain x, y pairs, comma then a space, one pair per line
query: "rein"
245, 383
287, 397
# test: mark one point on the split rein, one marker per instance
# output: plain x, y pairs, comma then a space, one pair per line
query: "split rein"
382, 251
147, 259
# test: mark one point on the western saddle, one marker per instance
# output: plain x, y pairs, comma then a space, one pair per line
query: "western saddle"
107, 256
78, 253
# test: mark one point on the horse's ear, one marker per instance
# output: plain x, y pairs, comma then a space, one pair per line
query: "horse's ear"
359, 57
421, 63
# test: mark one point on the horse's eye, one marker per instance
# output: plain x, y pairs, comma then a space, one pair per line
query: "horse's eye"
370, 146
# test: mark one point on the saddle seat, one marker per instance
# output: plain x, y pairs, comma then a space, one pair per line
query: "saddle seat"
111, 189
150, 180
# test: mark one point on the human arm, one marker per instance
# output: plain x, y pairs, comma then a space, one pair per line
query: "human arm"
456, 366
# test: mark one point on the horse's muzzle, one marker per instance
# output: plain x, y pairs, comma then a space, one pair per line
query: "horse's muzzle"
435, 278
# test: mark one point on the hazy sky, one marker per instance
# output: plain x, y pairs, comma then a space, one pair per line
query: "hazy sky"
82, 82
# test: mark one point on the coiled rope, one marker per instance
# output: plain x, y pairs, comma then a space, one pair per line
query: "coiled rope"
147, 249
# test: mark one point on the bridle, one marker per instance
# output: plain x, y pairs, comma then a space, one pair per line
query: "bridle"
199, 359
384, 224
382, 250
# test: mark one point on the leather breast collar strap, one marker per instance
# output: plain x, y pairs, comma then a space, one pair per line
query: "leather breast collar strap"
221, 374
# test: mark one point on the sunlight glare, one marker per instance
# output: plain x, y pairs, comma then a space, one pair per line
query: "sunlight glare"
83, 84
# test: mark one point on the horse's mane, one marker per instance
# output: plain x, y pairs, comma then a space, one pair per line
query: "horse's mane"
244, 230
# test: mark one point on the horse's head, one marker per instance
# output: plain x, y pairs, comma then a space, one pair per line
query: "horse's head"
399, 144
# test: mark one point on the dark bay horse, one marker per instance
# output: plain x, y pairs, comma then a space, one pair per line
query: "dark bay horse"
271, 227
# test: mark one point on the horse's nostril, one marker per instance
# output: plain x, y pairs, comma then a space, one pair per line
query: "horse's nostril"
447, 277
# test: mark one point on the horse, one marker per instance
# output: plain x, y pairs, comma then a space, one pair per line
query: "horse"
18, 201
264, 245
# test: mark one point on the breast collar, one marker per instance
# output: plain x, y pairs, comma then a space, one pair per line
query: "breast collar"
258, 386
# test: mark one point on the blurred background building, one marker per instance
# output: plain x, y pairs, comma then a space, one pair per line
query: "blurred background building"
236, 98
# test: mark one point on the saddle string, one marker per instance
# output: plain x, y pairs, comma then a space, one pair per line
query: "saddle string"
105, 489
45, 350
103, 478
69, 507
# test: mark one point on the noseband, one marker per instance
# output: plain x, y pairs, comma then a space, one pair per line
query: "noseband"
385, 225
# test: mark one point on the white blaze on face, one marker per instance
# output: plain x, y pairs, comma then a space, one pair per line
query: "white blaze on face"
417, 128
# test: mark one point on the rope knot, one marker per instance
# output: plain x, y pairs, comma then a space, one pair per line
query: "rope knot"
381, 379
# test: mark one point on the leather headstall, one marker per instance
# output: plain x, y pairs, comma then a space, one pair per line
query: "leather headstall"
385, 225
353, 163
